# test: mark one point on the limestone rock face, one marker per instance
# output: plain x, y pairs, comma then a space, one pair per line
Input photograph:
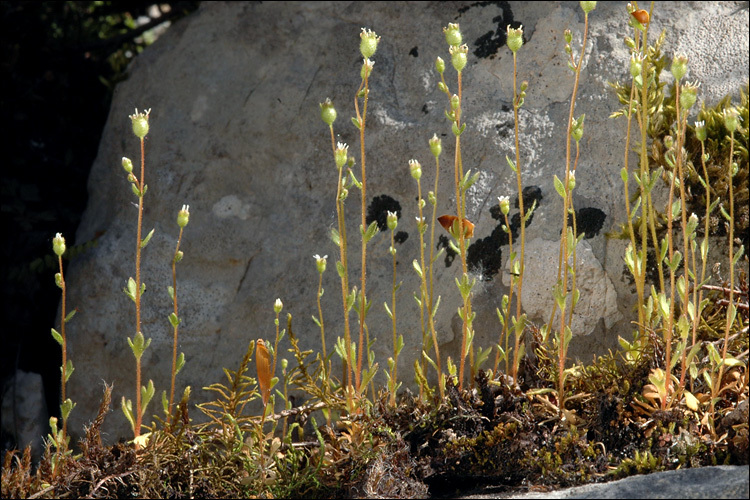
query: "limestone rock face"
236, 134
598, 300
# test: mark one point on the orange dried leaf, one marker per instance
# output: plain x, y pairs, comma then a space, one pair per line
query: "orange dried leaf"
263, 363
641, 16
447, 222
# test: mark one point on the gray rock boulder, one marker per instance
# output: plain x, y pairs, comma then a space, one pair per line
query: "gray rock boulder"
236, 134
723, 481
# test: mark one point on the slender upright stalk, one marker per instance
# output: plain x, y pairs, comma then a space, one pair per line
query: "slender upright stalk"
138, 247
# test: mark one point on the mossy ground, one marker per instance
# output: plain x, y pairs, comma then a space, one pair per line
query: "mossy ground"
497, 433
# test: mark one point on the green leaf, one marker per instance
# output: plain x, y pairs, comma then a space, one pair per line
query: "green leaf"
130, 290
66, 407
136, 191
335, 237
170, 291
68, 370
559, 187
511, 163
56, 335
372, 230
738, 255
732, 362
147, 238
388, 310
127, 409
174, 320
180, 363
356, 123
417, 267
70, 315
147, 393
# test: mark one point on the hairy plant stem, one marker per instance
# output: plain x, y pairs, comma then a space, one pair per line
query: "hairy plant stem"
362, 348
461, 212
430, 296
522, 214
340, 215
138, 416
716, 385
174, 341
64, 344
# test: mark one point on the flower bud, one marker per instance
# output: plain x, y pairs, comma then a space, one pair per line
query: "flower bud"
320, 262
183, 216
679, 67
700, 130
689, 95
504, 204
455, 101
368, 43
668, 142
458, 56
515, 38
436, 146
277, 306
453, 35
416, 169
392, 220
341, 153
568, 36
692, 224
140, 123
731, 119
572, 180
440, 65
58, 244
367, 65
328, 112
127, 164
635, 65
577, 131
588, 6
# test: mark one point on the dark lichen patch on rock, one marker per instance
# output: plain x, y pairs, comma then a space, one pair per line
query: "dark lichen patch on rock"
489, 43
589, 220
531, 194
378, 210
485, 256
450, 255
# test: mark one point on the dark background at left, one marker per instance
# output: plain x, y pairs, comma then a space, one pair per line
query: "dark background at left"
60, 63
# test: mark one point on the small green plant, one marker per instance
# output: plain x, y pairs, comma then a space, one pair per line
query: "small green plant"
66, 369
183, 217
138, 344
398, 340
